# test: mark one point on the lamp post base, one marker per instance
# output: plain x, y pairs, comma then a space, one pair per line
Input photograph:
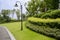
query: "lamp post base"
21, 25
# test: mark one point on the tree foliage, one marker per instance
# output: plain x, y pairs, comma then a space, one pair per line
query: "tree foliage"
36, 6
5, 15
52, 4
5, 12
33, 6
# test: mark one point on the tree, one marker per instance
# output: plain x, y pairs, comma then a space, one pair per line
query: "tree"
5, 14
33, 6
43, 6
52, 4
36, 6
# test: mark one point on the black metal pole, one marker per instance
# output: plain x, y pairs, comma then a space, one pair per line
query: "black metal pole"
21, 14
21, 19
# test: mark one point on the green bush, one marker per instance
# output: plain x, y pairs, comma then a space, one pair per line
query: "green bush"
53, 14
49, 27
49, 14
39, 15
1, 19
49, 11
42, 14
52, 32
53, 23
46, 15
6, 19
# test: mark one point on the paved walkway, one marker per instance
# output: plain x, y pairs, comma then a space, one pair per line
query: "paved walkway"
5, 34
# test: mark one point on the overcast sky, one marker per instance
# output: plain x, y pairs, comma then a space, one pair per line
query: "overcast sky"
9, 4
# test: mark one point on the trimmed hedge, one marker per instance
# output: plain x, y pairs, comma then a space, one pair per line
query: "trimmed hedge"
49, 14
53, 14
53, 23
48, 27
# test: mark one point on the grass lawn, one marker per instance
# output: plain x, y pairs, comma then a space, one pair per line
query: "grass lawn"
26, 34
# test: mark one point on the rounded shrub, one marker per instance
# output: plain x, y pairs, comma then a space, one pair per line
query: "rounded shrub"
39, 15
49, 11
53, 14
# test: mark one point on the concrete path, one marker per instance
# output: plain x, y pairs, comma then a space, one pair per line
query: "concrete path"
5, 34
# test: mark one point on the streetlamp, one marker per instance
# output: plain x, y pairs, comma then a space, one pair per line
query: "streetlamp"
21, 14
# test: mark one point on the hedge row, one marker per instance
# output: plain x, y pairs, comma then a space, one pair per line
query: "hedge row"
48, 27
51, 32
50, 14
53, 23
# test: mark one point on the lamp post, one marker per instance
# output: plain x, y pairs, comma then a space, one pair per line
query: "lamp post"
21, 14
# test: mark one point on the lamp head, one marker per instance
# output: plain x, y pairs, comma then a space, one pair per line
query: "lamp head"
16, 5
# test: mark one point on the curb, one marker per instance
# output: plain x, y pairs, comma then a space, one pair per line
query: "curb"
10, 34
